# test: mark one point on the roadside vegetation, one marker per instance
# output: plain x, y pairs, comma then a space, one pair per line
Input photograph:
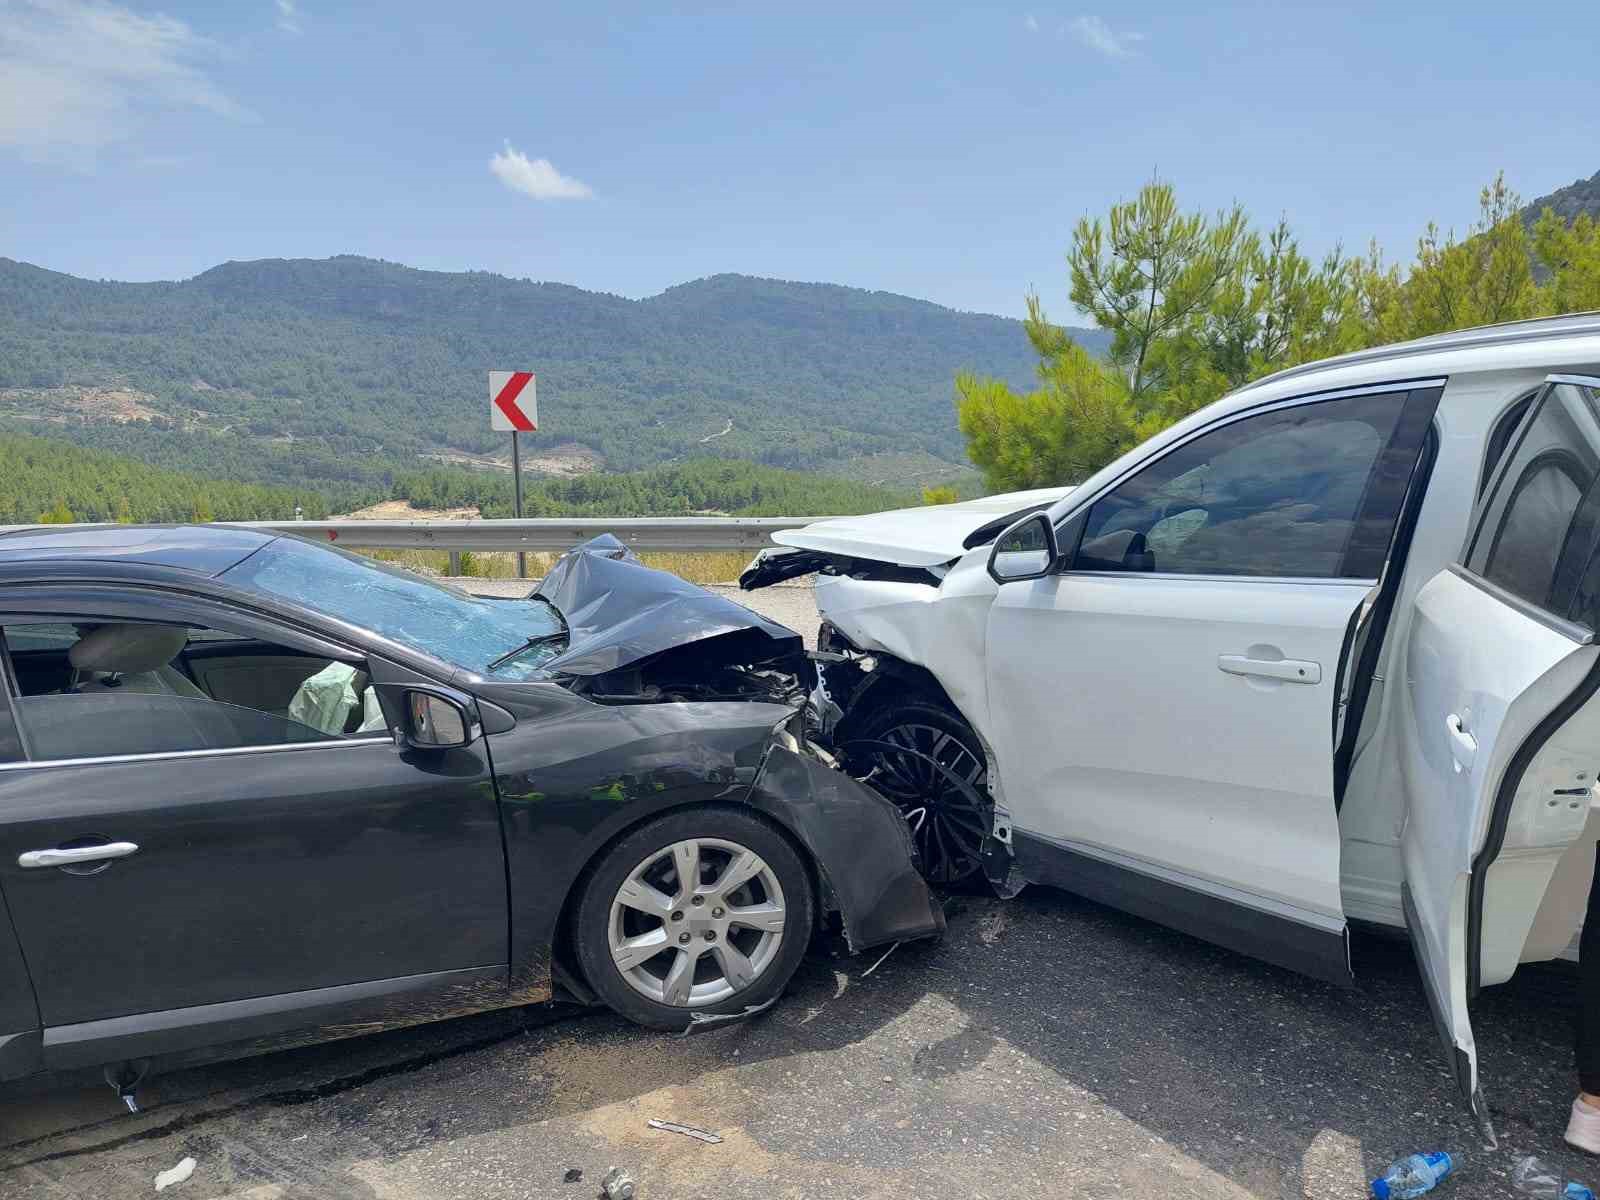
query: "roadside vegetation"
742, 489
1198, 304
45, 480
53, 482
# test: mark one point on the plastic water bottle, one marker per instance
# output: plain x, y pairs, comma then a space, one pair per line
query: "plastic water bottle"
1532, 1177
1412, 1176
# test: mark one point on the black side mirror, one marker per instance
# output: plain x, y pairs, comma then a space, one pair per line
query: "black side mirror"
1027, 550
434, 722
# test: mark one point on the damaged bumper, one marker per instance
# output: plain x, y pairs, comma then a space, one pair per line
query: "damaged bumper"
860, 842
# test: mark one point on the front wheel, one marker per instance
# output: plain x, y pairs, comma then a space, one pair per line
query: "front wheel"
706, 910
927, 760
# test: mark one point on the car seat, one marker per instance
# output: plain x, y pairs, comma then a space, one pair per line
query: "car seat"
131, 658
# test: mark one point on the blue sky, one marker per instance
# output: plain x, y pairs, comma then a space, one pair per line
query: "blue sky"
938, 151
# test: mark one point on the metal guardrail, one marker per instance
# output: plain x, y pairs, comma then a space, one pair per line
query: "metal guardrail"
689, 534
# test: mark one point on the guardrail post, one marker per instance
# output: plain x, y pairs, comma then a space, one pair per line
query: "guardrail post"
455, 563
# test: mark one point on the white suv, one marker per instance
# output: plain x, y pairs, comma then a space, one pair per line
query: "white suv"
1322, 652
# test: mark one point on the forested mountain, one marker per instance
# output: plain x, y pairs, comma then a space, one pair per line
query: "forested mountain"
42, 479
346, 369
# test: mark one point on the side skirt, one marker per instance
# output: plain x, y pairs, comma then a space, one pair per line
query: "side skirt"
243, 1027
1320, 953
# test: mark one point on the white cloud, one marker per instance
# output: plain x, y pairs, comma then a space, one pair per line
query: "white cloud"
78, 75
289, 17
1031, 23
536, 177
1102, 39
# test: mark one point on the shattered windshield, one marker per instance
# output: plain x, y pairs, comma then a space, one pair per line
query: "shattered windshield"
507, 639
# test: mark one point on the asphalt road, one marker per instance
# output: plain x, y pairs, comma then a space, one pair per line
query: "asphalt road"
1046, 1047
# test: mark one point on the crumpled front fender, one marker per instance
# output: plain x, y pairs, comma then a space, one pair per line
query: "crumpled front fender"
861, 845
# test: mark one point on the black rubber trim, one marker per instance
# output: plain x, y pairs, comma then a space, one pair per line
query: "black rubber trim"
1287, 943
12, 746
1495, 839
1382, 610
1372, 540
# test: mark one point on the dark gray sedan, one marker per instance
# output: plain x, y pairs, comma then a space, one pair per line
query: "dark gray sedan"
256, 791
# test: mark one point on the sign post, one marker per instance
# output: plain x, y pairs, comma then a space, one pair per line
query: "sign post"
514, 407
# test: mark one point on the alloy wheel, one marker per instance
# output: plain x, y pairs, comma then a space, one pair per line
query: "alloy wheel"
938, 784
697, 922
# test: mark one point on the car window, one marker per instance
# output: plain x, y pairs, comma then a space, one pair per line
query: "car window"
41, 637
10, 741
1289, 492
96, 689
1500, 437
1525, 529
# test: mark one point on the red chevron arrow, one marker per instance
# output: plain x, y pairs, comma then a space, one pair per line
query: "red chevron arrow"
506, 401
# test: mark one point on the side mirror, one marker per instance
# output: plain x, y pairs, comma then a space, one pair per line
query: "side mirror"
1027, 550
432, 722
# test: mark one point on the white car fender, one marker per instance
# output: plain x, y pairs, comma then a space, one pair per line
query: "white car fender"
940, 628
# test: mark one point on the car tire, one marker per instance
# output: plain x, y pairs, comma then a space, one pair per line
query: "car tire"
928, 761
742, 945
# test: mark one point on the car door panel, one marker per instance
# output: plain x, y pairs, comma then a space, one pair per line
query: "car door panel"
276, 1021
1483, 672
1498, 732
1143, 779
1165, 702
256, 873
19, 1014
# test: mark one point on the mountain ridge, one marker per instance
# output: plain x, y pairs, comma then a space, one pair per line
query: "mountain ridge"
1579, 196
352, 356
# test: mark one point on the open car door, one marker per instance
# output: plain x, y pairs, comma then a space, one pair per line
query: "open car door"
1500, 732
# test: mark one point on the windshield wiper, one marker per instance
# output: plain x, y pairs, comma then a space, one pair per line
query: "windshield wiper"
532, 643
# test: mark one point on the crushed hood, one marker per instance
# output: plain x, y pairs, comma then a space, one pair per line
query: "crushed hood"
620, 612
919, 537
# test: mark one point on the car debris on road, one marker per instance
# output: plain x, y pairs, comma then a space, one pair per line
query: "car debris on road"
618, 1185
713, 1139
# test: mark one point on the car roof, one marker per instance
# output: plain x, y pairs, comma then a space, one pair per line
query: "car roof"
1433, 350
1519, 353
206, 550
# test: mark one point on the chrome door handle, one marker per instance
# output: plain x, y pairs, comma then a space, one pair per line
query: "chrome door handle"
1463, 746
1290, 670
77, 854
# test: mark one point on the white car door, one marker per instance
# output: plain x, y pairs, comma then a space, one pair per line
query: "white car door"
1162, 701
1500, 736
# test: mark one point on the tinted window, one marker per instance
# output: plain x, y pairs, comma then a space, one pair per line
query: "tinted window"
101, 724
1285, 493
1525, 525
468, 631
97, 689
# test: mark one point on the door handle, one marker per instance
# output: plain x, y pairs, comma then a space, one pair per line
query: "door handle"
1463, 746
74, 855
1289, 670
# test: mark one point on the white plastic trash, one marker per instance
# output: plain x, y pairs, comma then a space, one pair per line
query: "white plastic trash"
175, 1175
